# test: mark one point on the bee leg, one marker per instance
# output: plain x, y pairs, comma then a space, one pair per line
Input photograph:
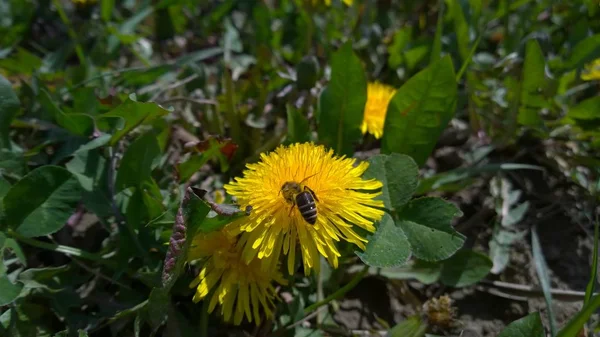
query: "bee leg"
306, 188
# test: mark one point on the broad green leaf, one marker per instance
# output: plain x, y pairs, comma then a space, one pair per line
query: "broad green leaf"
298, 129
528, 326
136, 165
587, 109
78, 124
127, 116
8, 291
89, 167
465, 268
9, 108
387, 247
533, 81
342, 103
399, 175
413, 326
461, 28
396, 50
542, 272
420, 110
427, 224
423, 271
585, 51
51, 193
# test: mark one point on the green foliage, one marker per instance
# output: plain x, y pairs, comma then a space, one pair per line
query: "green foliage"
342, 102
420, 110
51, 193
9, 108
530, 325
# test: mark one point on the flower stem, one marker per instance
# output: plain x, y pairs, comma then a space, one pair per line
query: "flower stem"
340, 292
204, 318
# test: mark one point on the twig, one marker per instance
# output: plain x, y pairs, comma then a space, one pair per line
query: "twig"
198, 101
523, 292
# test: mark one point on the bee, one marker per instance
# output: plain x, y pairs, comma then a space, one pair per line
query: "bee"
303, 197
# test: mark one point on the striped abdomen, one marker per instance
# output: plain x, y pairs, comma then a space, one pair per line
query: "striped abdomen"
307, 207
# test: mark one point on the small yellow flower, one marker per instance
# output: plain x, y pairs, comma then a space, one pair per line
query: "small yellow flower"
378, 97
328, 2
239, 288
275, 225
591, 71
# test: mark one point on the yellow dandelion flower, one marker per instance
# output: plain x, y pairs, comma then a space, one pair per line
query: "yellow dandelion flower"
341, 197
591, 71
239, 288
378, 97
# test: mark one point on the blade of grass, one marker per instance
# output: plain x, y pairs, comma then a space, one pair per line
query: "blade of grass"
463, 68
65, 19
436, 50
589, 289
542, 273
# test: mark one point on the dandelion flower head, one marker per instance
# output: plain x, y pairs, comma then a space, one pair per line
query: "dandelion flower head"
239, 288
591, 71
275, 226
378, 98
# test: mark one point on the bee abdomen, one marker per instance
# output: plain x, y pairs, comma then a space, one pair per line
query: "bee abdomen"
307, 207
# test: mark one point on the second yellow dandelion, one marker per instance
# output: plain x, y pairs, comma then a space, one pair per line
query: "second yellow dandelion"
378, 98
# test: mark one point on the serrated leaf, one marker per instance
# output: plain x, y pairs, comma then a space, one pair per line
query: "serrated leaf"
136, 165
342, 103
47, 209
427, 225
420, 110
127, 116
399, 175
528, 326
9, 108
465, 268
387, 247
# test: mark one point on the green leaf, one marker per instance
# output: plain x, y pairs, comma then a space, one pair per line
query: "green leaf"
399, 175
420, 110
298, 129
78, 124
396, 50
423, 271
533, 81
82, 333
588, 109
51, 193
9, 108
461, 28
307, 73
136, 165
387, 247
427, 224
8, 291
528, 326
575, 324
342, 103
89, 167
195, 211
465, 268
589, 289
585, 51
106, 9
413, 326
542, 272
129, 115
